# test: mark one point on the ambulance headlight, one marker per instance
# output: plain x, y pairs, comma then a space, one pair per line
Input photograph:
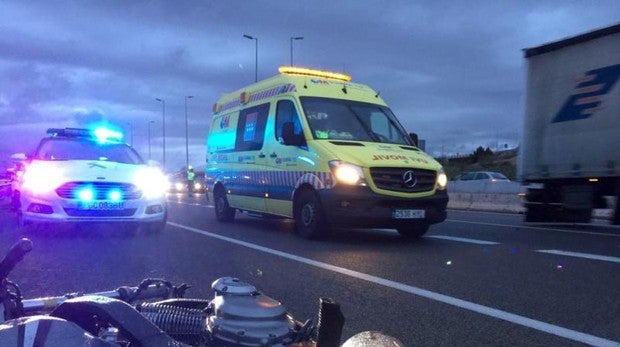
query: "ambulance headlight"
152, 182
442, 179
347, 173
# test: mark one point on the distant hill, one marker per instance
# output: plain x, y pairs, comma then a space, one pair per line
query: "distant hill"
483, 160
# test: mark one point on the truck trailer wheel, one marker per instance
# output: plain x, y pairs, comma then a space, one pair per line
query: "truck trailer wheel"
223, 211
310, 220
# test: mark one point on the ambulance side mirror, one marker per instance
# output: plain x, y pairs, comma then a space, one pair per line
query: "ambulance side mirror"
289, 137
414, 138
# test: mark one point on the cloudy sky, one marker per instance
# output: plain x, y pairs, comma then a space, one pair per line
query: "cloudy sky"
452, 71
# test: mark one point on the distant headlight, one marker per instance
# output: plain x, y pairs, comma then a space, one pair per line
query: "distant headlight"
152, 182
41, 179
179, 186
442, 179
347, 173
197, 185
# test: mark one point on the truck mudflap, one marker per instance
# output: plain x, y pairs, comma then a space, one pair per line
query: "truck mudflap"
361, 207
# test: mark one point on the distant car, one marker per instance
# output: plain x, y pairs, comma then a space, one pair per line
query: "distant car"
178, 183
82, 176
481, 176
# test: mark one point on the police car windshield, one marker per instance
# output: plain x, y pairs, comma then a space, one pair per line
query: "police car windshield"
84, 149
336, 119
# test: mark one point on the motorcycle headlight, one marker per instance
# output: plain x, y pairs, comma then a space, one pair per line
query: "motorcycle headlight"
152, 182
347, 173
442, 179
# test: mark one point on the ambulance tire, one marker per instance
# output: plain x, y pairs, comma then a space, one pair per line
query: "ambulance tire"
412, 231
310, 222
223, 212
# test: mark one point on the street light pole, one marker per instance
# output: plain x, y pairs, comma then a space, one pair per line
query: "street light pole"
163, 125
256, 56
294, 38
149, 126
187, 134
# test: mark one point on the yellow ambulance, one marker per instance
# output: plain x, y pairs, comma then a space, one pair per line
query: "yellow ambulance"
313, 146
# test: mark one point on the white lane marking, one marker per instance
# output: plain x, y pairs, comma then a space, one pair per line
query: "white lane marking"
190, 204
462, 239
532, 228
485, 310
581, 255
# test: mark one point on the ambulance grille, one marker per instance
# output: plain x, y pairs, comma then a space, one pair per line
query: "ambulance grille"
393, 179
100, 189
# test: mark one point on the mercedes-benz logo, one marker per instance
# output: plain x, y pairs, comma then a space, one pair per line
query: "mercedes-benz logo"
410, 179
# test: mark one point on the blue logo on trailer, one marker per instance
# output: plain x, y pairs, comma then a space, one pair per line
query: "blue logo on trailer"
587, 97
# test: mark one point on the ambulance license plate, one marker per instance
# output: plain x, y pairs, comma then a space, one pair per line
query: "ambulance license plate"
408, 214
101, 205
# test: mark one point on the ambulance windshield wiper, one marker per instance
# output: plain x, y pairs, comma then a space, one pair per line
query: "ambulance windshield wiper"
369, 131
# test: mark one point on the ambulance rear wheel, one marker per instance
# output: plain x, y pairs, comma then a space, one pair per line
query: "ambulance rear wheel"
223, 211
310, 220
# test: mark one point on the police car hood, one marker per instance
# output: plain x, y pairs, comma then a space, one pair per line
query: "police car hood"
372, 154
91, 170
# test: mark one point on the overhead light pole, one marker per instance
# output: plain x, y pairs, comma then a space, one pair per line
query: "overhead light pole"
187, 134
292, 39
163, 125
149, 126
256, 56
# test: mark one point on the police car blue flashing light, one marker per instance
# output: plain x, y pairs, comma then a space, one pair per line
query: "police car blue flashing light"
104, 135
86, 195
115, 195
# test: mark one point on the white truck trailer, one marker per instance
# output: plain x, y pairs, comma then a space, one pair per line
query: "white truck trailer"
571, 137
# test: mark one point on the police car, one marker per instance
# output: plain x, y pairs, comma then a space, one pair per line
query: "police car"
84, 176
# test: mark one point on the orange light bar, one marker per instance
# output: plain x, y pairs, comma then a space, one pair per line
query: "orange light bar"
301, 71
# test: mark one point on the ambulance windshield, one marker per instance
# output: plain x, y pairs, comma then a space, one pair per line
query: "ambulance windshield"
337, 119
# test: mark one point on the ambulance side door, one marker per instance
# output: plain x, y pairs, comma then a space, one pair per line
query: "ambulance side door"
284, 160
247, 184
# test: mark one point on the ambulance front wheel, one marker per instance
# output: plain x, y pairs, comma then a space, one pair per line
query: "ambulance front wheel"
412, 231
223, 211
310, 220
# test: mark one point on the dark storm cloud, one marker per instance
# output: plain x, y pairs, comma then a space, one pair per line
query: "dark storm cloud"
452, 71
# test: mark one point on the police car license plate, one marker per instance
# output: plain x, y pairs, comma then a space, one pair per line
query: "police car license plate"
408, 214
101, 205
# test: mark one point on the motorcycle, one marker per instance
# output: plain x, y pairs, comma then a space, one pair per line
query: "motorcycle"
156, 313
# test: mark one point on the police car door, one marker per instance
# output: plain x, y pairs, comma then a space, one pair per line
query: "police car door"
284, 161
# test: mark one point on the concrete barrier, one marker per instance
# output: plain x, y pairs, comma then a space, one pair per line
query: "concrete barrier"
500, 197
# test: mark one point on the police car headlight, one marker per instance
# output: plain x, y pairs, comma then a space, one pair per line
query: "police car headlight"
442, 179
347, 173
40, 179
152, 182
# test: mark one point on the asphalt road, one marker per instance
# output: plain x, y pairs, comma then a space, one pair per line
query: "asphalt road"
476, 279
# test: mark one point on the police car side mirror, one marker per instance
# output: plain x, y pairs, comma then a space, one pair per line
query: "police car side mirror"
19, 156
289, 137
153, 163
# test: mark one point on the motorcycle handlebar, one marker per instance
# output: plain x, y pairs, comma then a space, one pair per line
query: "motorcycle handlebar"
14, 256
148, 289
